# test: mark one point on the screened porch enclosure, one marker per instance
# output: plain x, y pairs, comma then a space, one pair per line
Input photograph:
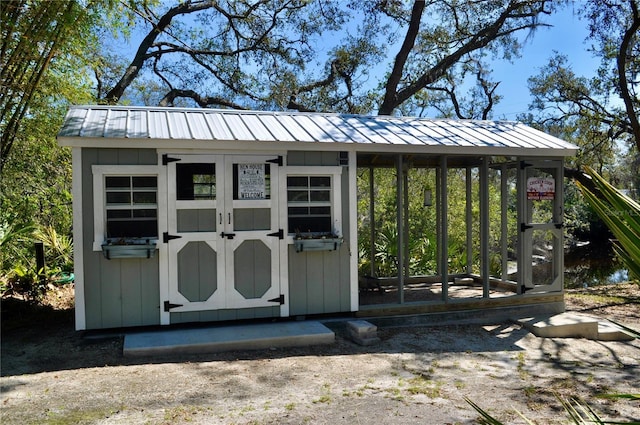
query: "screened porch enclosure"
455, 228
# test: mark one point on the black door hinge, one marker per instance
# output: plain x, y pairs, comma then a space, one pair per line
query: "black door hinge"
279, 234
524, 227
279, 299
277, 160
168, 306
227, 235
524, 165
166, 159
166, 237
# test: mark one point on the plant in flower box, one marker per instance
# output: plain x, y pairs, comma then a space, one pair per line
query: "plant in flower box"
317, 241
128, 248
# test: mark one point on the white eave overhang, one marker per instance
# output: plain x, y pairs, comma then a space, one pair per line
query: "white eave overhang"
189, 128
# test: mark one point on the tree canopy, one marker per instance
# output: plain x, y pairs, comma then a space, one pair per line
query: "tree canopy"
33, 33
602, 110
318, 55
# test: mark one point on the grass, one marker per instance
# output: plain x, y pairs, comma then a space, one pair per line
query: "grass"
423, 385
521, 358
600, 298
395, 394
326, 396
578, 411
183, 413
72, 417
530, 391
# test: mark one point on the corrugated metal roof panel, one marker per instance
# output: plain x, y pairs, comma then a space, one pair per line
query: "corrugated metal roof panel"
297, 131
219, 127
198, 126
178, 126
332, 126
549, 140
460, 129
137, 125
515, 133
94, 123
118, 122
373, 130
433, 132
360, 133
489, 137
158, 125
415, 136
393, 129
275, 127
237, 127
314, 132
257, 128
73, 122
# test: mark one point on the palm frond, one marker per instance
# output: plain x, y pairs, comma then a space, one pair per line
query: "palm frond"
621, 214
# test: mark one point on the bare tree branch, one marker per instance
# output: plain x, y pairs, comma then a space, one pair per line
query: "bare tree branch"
623, 57
330, 79
135, 66
391, 96
202, 101
497, 29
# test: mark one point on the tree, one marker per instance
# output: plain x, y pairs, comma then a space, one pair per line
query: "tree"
601, 111
32, 33
45, 51
291, 54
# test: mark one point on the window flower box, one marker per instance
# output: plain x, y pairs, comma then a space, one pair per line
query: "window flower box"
128, 249
306, 243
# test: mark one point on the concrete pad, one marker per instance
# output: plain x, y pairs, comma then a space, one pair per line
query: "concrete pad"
227, 338
564, 325
575, 325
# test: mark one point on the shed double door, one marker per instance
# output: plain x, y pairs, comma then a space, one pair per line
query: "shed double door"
224, 238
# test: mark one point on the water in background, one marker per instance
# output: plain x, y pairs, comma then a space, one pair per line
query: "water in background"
588, 266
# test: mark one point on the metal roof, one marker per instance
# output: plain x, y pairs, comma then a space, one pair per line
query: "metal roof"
119, 126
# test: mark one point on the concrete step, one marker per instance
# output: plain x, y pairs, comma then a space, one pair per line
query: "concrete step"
575, 325
362, 332
227, 338
608, 331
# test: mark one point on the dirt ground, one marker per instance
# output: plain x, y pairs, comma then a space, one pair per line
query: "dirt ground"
415, 375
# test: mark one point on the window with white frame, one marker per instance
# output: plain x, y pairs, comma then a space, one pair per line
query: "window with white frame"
314, 201
131, 207
125, 203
